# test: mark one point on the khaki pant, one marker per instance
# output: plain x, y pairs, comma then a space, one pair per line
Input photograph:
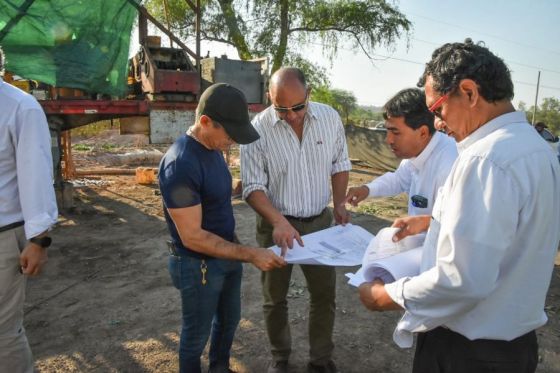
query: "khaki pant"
15, 354
321, 283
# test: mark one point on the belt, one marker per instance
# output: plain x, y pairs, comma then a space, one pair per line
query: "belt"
11, 226
304, 220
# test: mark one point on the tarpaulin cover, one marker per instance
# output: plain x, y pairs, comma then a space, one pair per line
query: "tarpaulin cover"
368, 145
79, 44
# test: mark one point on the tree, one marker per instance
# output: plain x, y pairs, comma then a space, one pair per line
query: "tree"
342, 101
548, 112
276, 28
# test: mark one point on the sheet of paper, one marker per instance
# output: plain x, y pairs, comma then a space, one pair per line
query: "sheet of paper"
398, 266
389, 260
382, 245
334, 246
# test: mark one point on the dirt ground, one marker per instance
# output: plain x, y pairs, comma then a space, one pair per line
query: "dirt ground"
105, 302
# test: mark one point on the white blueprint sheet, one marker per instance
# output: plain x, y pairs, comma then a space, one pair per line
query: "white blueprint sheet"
334, 246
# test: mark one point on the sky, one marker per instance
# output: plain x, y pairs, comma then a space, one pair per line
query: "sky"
525, 33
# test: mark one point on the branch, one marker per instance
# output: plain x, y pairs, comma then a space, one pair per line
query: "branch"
342, 30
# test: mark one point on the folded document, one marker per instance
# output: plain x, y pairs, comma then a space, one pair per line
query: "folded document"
388, 260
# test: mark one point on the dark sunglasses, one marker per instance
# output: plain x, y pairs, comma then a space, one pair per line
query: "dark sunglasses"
295, 108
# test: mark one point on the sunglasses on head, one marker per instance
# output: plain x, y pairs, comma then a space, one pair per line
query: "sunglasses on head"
295, 108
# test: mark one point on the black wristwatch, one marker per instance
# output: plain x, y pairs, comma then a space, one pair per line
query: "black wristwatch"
44, 241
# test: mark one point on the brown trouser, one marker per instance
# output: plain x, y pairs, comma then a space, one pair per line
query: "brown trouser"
15, 354
321, 283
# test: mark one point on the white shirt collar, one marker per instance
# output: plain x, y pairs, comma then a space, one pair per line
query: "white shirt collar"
491, 126
419, 161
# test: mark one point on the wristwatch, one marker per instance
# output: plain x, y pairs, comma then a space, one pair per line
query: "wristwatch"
44, 241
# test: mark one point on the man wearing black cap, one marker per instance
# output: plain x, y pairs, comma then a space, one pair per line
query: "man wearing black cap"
205, 264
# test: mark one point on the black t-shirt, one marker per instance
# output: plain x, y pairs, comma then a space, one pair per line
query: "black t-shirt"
190, 174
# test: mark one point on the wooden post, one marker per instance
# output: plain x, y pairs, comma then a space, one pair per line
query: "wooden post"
68, 168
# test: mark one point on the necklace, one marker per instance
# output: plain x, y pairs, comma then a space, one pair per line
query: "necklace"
190, 132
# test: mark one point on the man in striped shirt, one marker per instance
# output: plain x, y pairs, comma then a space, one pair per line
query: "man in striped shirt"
287, 176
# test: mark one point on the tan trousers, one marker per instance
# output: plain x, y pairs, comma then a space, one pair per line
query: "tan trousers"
321, 284
15, 354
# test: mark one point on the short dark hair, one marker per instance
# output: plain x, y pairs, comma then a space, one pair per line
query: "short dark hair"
2, 58
453, 62
410, 103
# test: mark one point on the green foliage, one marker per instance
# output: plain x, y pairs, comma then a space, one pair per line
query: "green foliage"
366, 116
342, 101
82, 147
108, 146
92, 129
316, 75
281, 29
345, 103
259, 28
548, 112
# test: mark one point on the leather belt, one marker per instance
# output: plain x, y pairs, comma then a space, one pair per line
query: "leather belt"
11, 226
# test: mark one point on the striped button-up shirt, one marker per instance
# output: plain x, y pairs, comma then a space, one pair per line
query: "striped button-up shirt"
295, 175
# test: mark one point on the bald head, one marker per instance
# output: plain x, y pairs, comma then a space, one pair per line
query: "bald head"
288, 89
287, 77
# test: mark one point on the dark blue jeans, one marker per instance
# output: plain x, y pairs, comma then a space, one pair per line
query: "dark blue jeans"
213, 307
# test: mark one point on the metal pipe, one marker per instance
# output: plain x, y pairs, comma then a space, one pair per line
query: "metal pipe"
198, 21
536, 99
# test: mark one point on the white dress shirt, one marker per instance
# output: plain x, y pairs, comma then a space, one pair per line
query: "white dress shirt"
296, 176
422, 175
26, 168
490, 249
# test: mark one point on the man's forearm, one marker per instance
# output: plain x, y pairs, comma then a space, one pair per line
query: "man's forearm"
210, 244
339, 185
259, 201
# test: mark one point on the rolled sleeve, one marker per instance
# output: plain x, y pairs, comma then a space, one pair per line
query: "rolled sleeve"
341, 162
253, 175
395, 291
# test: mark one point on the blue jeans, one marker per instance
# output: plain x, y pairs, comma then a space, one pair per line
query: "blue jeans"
214, 306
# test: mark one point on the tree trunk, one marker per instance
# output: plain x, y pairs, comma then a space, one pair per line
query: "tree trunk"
283, 42
235, 34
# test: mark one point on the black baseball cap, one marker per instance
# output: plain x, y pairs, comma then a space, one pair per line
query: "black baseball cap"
227, 105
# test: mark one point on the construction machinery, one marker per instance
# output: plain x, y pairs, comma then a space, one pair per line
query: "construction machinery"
73, 56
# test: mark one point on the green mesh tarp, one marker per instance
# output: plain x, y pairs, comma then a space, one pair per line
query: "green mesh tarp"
79, 44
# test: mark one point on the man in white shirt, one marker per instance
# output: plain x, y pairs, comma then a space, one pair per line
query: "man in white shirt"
27, 211
287, 175
492, 238
427, 155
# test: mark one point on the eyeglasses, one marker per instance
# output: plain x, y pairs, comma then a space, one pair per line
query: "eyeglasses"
436, 107
295, 108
